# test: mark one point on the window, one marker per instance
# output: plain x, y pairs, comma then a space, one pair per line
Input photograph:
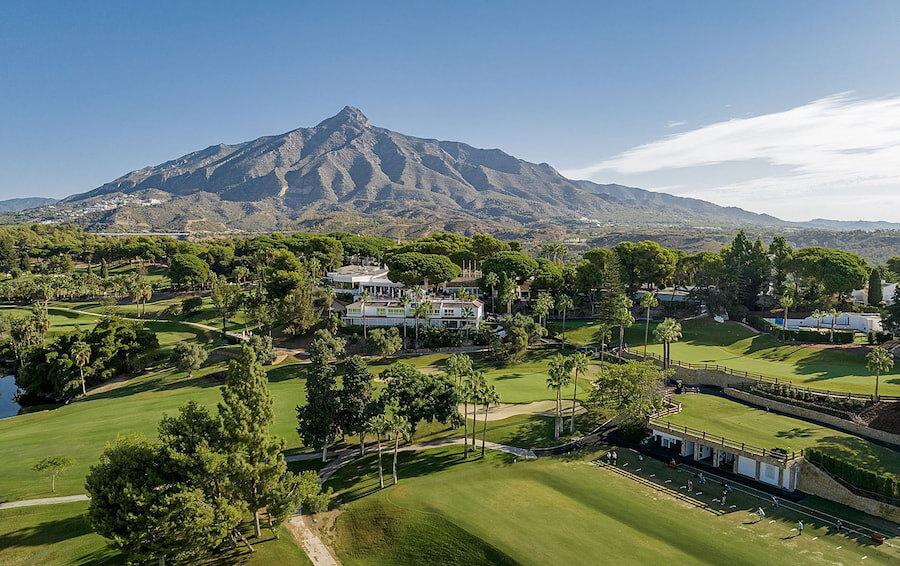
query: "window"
354, 310
380, 311
448, 312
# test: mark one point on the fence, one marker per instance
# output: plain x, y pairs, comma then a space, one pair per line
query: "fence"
760, 378
775, 454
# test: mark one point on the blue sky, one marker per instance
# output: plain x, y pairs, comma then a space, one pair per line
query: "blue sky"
789, 108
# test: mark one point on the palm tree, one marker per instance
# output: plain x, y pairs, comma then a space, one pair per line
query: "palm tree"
667, 332
604, 334
399, 427
491, 279
818, 315
364, 297
648, 301
558, 376
786, 302
579, 364
623, 315
833, 313
543, 307
378, 426
421, 311
508, 292
81, 355
879, 360
488, 396
404, 301
146, 291
564, 303
467, 313
468, 390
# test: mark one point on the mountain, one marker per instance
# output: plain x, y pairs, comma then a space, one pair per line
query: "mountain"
17, 204
849, 225
679, 206
345, 173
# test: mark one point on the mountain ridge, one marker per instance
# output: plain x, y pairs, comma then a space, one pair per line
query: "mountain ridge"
345, 171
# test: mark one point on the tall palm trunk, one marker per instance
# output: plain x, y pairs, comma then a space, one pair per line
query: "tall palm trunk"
396, 449
466, 427
484, 430
404, 328
474, 421
877, 375
324, 452
564, 328
558, 421
380, 472
81, 374
646, 331
574, 396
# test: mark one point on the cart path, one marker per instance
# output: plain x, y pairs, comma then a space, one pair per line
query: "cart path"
308, 539
545, 408
44, 501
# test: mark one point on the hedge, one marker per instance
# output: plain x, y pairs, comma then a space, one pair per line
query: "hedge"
884, 485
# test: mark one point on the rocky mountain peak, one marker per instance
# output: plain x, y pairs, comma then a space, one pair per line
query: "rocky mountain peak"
350, 115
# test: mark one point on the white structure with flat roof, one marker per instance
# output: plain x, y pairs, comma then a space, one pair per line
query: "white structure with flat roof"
358, 278
449, 312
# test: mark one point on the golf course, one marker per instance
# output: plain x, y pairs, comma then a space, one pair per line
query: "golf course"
738, 347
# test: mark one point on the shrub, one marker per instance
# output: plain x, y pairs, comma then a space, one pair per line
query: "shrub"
191, 305
439, 337
883, 485
262, 346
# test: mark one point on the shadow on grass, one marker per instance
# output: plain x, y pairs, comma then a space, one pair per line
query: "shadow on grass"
59, 531
796, 432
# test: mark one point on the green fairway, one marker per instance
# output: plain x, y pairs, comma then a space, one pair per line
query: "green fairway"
723, 417
564, 511
61, 321
521, 382
61, 534
737, 347
81, 429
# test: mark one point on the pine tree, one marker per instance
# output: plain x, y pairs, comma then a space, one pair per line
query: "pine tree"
257, 465
356, 399
876, 296
318, 422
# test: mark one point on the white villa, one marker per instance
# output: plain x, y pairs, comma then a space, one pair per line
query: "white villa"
852, 321
449, 312
358, 278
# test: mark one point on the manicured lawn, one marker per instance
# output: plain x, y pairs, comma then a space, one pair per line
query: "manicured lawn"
61, 322
521, 382
563, 511
61, 534
737, 347
81, 429
724, 417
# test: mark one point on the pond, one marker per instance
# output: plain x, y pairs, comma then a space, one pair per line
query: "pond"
8, 390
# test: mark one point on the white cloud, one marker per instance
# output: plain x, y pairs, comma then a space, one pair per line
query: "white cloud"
833, 153
675, 123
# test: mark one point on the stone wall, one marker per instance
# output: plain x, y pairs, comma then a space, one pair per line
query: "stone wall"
809, 414
709, 377
816, 482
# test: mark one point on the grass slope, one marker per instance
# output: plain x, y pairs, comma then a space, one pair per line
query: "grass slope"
61, 534
558, 511
735, 346
81, 429
724, 417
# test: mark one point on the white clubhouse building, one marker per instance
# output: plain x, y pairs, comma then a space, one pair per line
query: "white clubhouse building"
358, 278
449, 312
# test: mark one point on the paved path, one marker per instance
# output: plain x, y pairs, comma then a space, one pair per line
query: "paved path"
44, 501
309, 541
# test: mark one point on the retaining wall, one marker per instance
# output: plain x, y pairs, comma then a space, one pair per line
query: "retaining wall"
809, 414
689, 376
816, 482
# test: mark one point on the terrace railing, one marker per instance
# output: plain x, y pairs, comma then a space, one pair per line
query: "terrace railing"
760, 378
774, 453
